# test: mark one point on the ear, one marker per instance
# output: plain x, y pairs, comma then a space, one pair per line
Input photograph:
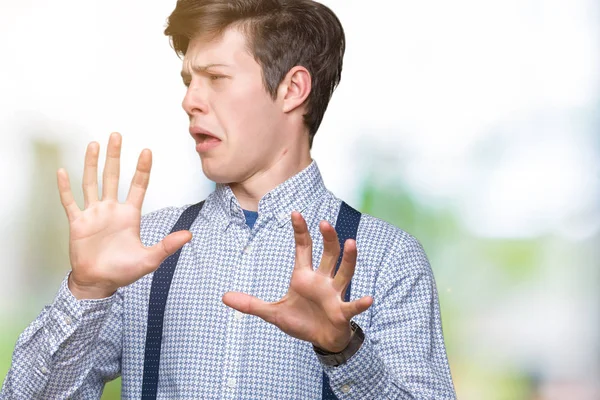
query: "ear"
295, 88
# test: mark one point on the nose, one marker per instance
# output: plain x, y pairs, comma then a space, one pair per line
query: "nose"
194, 101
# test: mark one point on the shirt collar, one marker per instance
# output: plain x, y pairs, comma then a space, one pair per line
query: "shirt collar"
296, 193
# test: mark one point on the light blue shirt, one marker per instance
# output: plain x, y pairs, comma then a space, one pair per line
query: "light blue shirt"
210, 351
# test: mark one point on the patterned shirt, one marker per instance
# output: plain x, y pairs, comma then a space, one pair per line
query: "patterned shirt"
210, 351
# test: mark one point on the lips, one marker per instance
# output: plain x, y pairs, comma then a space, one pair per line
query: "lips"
201, 135
205, 140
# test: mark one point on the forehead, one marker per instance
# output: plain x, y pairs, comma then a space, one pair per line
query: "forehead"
229, 48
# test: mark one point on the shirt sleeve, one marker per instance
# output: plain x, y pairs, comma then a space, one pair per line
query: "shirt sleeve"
403, 355
69, 351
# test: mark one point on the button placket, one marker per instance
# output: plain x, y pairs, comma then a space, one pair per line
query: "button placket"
235, 326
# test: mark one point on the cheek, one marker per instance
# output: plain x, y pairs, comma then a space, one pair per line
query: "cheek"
250, 113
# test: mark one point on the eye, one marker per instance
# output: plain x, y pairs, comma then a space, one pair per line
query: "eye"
215, 77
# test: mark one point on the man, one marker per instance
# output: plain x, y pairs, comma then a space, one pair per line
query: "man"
254, 308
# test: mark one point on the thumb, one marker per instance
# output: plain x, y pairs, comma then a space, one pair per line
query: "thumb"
249, 305
353, 308
169, 245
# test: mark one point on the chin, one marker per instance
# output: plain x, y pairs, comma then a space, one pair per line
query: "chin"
216, 173
216, 178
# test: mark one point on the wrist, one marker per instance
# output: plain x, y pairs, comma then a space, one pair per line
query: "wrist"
338, 358
337, 345
87, 292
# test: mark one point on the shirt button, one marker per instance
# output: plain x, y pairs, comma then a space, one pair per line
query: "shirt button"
284, 215
68, 320
238, 315
247, 249
44, 370
231, 382
345, 388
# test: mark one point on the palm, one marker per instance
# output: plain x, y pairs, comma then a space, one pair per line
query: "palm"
108, 240
313, 308
307, 307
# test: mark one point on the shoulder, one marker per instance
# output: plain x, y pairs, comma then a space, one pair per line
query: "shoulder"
382, 234
379, 236
390, 249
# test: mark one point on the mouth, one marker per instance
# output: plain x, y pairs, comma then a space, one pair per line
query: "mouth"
205, 140
200, 134
203, 137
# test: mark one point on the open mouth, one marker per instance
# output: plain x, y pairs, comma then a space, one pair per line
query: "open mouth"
206, 142
202, 138
208, 137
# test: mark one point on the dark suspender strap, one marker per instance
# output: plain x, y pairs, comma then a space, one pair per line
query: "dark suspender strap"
161, 282
346, 227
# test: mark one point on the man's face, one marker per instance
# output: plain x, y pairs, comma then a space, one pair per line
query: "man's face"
226, 97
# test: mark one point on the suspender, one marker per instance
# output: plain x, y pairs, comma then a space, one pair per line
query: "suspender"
346, 227
161, 282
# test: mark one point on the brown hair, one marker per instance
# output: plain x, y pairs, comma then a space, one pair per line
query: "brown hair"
280, 33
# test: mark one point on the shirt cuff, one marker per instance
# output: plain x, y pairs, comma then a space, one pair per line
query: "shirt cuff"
67, 314
363, 376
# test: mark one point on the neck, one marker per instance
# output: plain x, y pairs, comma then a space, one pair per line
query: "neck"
250, 191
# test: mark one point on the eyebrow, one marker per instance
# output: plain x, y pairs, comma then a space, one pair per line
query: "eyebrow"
201, 69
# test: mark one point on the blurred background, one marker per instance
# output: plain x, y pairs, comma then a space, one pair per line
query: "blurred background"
473, 125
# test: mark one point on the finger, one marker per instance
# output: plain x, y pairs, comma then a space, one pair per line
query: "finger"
249, 305
90, 175
110, 181
140, 180
163, 249
331, 249
353, 308
303, 241
346, 271
66, 196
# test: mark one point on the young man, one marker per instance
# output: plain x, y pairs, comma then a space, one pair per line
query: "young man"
254, 308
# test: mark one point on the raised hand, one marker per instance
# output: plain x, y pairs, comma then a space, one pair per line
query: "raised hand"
313, 309
105, 249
